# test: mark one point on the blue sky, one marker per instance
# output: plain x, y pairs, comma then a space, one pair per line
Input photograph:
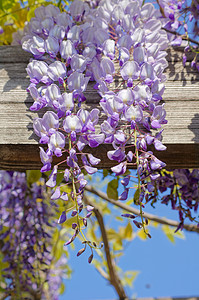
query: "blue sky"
166, 269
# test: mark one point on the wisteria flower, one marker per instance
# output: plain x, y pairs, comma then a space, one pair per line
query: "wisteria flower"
67, 49
72, 123
51, 46
38, 72
119, 169
56, 143
158, 116
57, 71
77, 82
130, 71
46, 126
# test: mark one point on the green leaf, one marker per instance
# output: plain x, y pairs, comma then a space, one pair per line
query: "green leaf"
1, 5
31, 13
180, 235
60, 176
59, 3
119, 219
128, 231
103, 206
154, 224
117, 245
111, 234
130, 201
136, 196
62, 288
112, 189
141, 234
126, 173
105, 173
169, 233
129, 277
59, 250
32, 176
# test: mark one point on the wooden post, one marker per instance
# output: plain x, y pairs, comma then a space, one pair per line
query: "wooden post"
19, 148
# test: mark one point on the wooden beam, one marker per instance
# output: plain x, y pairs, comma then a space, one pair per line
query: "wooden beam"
19, 145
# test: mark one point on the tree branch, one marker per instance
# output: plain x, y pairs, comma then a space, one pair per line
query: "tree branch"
184, 37
113, 276
135, 211
161, 9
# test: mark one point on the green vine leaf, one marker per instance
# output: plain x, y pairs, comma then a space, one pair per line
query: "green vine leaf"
112, 191
32, 176
105, 173
136, 196
171, 234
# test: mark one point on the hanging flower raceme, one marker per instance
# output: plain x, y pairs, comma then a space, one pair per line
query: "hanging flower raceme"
178, 17
182, 194
121, 46
56, 39
26, 234
135, 110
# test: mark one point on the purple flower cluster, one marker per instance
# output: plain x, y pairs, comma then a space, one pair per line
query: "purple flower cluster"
178, 18
171, 11
134, 56
59, 74
182, 192
194, 15
25, 235
119, 45
54, 279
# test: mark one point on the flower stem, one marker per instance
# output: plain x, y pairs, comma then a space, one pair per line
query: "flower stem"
139, 180
75, 195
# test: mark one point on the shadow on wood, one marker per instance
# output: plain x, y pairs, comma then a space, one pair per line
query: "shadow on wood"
19, 148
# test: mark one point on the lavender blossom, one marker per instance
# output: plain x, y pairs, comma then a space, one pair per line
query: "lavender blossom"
130, 71
38, 72
28, 250
117, 40
57, 71
72, 123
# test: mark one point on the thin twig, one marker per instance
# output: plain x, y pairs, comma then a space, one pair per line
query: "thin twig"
135, 211
114, 278
184, 37
161, 9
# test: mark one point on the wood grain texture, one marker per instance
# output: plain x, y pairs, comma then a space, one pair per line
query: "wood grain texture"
19, 145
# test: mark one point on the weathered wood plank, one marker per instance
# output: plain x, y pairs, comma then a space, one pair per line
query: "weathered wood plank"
16, 54
12, 54
26, 156
13, 92
19, 146
174, 71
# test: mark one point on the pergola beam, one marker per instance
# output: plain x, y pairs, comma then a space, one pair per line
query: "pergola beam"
19, 146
